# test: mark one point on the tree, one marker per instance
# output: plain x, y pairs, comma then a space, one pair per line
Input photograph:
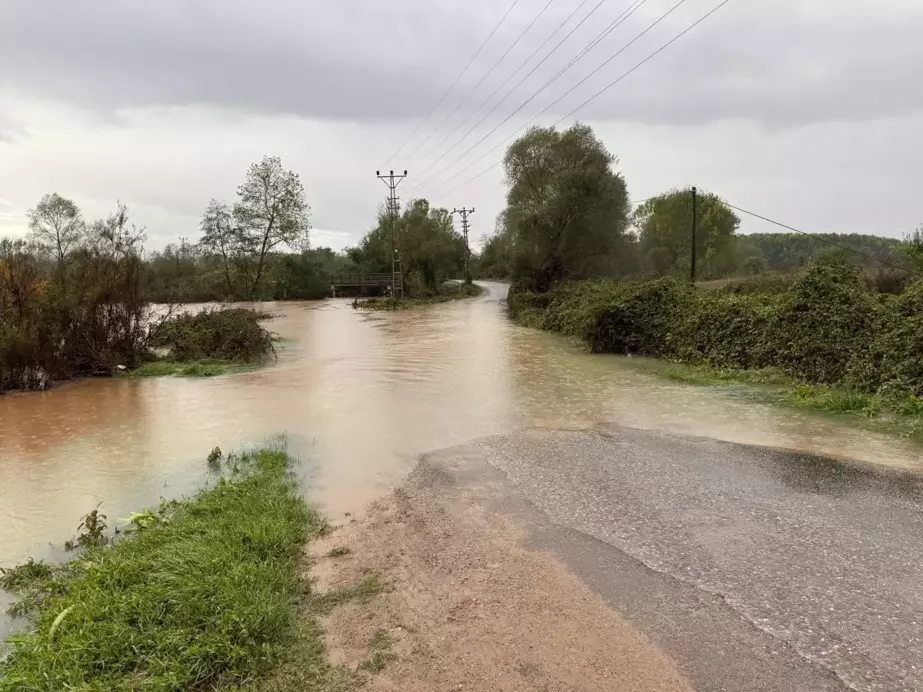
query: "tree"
271, 211
221, 237
567, 212
57, 229
664, 226
427, 243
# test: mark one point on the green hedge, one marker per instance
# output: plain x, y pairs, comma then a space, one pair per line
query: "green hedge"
829, 327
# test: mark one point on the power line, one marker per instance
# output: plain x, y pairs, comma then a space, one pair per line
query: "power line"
510, 93
482, 80
818, 237
578, 84
513, 74
452, 85
613, 25
595, 96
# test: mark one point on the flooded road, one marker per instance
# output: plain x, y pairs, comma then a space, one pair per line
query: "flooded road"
360, 396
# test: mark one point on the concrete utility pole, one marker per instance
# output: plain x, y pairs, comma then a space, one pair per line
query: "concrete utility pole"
392, 181
464, 214
694, 216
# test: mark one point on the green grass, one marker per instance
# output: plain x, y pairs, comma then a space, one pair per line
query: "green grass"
448, 294
704, 375
204, 599
201, 368
900, 414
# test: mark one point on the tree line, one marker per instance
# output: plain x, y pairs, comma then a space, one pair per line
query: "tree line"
568, 217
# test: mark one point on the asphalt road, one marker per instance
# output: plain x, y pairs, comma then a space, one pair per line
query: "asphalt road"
755, 569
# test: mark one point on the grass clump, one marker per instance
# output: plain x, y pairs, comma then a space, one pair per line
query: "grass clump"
339, 551
203, 598
380, 654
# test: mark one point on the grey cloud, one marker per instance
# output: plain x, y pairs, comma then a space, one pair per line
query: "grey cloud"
784, 63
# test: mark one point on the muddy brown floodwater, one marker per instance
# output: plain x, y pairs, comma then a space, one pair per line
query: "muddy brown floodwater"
360, 397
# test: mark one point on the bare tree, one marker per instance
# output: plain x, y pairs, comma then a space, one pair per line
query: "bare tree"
221, 236
271, 211
57, 229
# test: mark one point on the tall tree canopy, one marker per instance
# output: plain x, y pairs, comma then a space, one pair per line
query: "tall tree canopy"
664, 226
57, 228
271, 211
567, 212
426, 241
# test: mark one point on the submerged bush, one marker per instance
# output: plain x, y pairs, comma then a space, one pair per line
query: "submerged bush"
233, 334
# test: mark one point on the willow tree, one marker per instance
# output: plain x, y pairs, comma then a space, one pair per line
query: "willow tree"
567, 209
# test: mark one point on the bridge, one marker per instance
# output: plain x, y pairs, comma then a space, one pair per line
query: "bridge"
365, 282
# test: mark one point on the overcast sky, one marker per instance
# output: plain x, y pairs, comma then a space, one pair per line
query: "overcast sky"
809, 111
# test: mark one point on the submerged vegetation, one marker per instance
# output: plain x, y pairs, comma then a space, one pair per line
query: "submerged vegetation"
202, 595
830, 341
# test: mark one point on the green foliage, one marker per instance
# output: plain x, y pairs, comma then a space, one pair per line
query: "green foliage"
789, 251
380, 654
233, 335
649, 319
427, 244
823, 322
205, 600
74, 315
567, 212
827, 328
664, 226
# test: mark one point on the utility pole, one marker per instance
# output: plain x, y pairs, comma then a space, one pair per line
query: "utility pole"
694, 215
464, 214
392, 181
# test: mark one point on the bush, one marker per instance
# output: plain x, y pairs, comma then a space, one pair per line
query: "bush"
648, 320
823, 322
730, 331
233, 334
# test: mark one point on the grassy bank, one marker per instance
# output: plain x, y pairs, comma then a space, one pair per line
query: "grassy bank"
829, 341
446, 295
897, 415
204, 595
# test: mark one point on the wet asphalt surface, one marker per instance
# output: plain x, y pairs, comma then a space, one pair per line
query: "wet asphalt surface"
756, 569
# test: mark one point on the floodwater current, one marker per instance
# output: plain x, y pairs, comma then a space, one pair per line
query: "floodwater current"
359, 396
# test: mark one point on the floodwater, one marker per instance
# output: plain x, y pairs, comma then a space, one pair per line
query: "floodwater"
360, 396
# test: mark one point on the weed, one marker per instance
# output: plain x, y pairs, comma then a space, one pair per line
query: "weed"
339, 551
379, 652
363, 591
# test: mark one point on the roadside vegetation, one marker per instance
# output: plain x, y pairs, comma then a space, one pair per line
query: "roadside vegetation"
829, 329
204, 593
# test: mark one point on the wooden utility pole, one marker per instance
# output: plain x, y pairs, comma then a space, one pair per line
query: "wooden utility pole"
392, 181
694, 216
464, 214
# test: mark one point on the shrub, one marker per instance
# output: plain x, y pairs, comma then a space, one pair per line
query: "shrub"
730, 331
648, 320
233, 334
823, 322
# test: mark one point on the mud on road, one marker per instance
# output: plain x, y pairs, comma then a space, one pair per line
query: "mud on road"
470, 606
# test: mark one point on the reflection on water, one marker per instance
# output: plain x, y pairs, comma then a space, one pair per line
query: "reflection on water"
360, 397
